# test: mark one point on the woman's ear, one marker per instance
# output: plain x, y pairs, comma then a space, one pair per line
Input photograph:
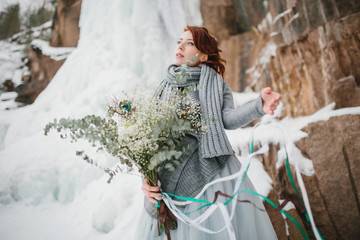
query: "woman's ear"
203, 58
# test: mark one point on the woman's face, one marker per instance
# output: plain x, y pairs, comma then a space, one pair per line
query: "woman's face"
187, 53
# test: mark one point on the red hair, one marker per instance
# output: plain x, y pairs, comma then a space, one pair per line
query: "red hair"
208, 45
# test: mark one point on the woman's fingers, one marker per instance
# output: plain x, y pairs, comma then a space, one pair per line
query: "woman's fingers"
267, 90
151, 192
151, 197
271, 100
146, 186
154, 195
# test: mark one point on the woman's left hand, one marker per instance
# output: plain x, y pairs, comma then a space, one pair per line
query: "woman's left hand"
270, 100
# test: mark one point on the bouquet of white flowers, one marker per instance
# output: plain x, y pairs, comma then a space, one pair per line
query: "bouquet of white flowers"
142, 132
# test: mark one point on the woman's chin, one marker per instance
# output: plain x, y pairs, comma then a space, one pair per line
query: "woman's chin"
178, 63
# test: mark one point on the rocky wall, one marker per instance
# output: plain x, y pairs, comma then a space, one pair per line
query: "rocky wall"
65, 28
308, 50
320, 68
334, 148
64, 33
43, 68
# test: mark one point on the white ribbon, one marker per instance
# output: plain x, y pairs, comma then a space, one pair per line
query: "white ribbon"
239, 174
306, 202
303, 191
302, 188
172, 205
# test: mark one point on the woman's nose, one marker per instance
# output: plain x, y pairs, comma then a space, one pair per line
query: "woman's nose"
181, 46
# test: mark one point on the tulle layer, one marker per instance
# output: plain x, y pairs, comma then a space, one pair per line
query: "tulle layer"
249, 222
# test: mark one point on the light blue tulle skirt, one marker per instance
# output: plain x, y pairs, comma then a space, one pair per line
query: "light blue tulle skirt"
248, 223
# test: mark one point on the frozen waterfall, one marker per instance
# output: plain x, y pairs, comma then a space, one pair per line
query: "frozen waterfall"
46, 192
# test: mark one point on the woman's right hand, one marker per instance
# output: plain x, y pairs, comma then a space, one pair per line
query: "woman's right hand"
151, 192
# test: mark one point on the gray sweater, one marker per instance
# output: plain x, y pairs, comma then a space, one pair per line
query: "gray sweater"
196, 171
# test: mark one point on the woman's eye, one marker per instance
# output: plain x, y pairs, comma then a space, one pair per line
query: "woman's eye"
188, 43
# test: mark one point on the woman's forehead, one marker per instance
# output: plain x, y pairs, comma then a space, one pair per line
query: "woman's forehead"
186, 35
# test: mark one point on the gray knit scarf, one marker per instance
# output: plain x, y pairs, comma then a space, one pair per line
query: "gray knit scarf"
214, 141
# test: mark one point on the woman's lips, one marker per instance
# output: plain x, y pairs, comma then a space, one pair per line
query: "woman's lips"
179, 55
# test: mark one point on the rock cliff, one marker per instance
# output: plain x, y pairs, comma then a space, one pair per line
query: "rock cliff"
309, 52
43, 66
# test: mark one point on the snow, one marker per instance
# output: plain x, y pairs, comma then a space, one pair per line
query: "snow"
284, 132
14, 49
280, 15
7, 95
288, 206
13, 58
25, 4
46, 192
56, 53
292, 19
10, 60
34, 31
242, 98
265, 55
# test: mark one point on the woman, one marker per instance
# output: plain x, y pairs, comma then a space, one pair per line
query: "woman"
210, 155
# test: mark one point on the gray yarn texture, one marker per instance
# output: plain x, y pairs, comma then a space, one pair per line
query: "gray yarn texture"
206, 153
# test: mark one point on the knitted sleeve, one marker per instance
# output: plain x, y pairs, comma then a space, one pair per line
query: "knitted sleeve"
236, 117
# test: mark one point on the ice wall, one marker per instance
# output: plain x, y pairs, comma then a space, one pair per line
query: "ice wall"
45, 189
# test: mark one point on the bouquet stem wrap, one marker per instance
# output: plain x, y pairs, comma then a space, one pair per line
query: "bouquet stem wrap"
165, 218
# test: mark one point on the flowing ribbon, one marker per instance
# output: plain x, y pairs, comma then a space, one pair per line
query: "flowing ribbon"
304, 202
166, 218
172, 204
240, 175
